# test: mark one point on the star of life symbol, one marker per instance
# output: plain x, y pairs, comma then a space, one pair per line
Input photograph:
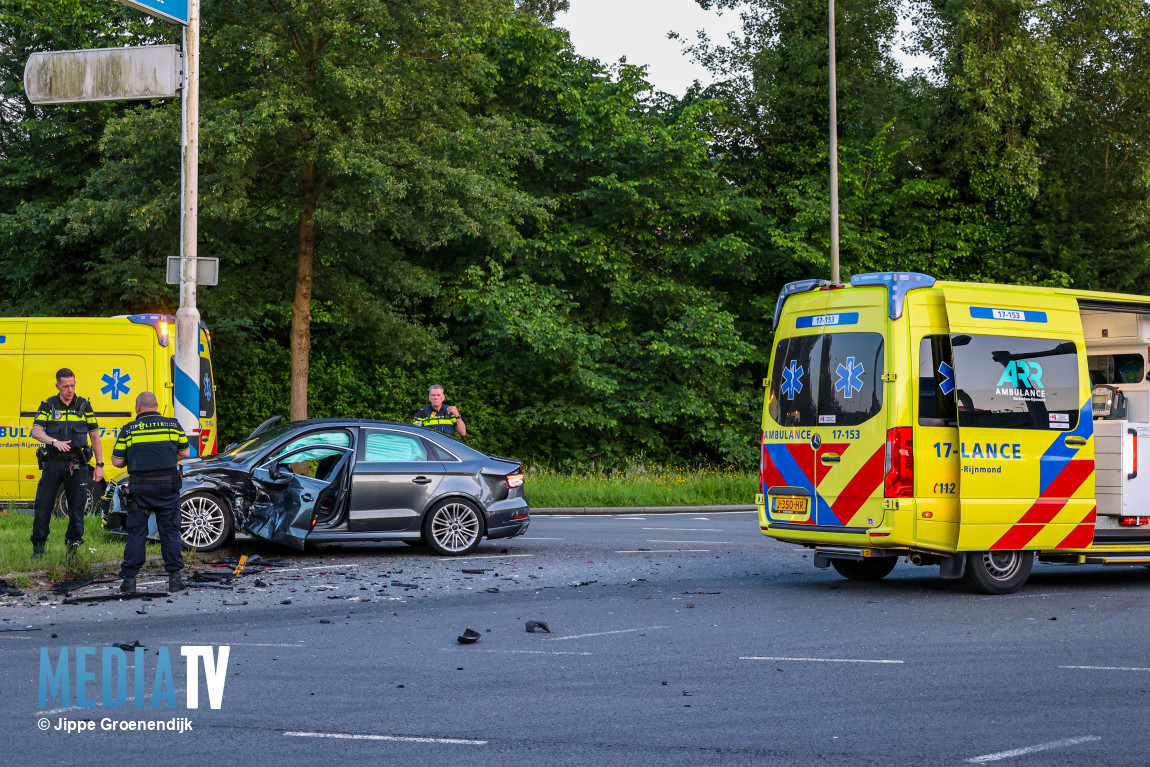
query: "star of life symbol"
946, 385
116, 383
849, 377
207, 387
793, 379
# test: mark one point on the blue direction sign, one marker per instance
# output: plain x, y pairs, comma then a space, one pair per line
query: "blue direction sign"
168, 10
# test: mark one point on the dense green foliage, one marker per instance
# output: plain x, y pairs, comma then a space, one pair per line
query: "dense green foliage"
588, 266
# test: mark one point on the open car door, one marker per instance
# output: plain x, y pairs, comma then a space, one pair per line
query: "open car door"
1026, 457
288, 496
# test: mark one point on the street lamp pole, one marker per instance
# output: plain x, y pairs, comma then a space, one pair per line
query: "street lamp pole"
835, 277
187, 367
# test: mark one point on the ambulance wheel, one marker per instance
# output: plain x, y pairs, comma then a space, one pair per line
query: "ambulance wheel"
205, 523
867, 570
997, 572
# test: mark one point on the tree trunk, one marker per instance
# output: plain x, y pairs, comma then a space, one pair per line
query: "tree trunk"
301, 306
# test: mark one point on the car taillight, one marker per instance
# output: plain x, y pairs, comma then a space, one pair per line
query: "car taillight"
515, 480
899, 463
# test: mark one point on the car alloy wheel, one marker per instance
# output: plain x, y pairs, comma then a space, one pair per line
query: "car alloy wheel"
204, 523
453, 528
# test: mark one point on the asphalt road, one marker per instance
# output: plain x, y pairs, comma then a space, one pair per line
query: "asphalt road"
676, 639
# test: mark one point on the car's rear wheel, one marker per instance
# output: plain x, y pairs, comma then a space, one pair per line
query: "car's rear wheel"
205, 523
867, 570
997, 572
453, 527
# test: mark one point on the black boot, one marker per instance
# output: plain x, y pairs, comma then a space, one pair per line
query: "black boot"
129, 585
73, 555
175, 582
37, 550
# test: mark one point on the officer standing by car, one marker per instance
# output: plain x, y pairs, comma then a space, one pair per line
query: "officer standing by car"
151, 447
438, 416
64, 423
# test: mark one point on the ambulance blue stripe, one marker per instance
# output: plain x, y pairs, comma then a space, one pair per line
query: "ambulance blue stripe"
794, 476
1009, 315
1059, 454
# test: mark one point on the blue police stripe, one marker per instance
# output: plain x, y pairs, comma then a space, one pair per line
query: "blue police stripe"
1010, 315
827, 320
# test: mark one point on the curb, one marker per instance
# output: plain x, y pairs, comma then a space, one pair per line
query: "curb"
589, 510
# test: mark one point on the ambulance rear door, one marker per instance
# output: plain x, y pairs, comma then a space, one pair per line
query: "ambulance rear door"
1026, 453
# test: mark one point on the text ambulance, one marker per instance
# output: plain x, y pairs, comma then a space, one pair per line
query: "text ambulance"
963, 425
114, 359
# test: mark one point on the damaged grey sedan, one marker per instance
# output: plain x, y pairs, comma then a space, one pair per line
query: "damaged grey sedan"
337, 480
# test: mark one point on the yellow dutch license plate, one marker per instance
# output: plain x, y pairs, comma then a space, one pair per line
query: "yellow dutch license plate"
789, 504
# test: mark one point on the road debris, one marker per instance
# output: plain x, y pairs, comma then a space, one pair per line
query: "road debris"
477, 571
469, 636
114, 596
533, 626
130, 647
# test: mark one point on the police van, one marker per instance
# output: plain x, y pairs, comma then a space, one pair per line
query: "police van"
114, 359
970, 426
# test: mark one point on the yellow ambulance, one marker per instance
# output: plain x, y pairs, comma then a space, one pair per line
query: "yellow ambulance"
968, 426
114, 359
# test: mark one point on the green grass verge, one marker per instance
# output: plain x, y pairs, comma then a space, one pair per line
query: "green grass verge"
640, 486
100, 553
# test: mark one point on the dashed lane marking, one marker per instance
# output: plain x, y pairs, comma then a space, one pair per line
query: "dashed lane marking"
394, 738
1031, 749
603, 633
1108, 668
817, 660
661, 551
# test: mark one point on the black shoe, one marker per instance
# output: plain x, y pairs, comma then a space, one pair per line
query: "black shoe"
73, 555
128, 586
37, 550
175, 582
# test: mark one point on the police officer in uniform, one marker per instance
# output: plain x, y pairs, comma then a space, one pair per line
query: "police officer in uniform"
151, 447
436, 415
64, 423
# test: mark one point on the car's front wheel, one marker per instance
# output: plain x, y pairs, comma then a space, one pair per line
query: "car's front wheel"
205, 523
453, 527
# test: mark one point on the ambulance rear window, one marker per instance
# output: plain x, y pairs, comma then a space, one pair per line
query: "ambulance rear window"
831, 379
1005, 382
936, 405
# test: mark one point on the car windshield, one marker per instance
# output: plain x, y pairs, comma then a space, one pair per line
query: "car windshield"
247, 448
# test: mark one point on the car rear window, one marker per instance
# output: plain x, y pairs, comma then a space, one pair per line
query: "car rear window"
829, 379
1005, 382
388, 446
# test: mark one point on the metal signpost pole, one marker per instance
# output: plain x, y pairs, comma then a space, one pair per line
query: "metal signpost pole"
187, 368
834, 156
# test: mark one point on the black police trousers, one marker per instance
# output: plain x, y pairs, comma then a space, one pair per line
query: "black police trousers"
163, 500
75, 482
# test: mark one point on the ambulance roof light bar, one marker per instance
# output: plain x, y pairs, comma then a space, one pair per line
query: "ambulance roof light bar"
800, 286
897, 284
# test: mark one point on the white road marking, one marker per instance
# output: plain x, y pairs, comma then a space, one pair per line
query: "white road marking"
688, 529
604, 633
721, 543
628, 519
660, 551
543, 539
818, 660
527, 652
264, 644
490, 556
394, 738
1108, 668
323, 567
1031, 749
8, 636
704, 519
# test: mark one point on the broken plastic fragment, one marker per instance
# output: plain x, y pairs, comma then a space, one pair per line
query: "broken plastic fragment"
533, 626
469, 636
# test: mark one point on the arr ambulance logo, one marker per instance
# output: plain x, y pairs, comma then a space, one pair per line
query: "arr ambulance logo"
1021, 380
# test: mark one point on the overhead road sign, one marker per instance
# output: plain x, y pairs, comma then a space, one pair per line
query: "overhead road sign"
207, 271
168, 10
103, 74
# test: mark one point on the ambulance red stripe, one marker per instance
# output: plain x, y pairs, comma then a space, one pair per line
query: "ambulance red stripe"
861, 487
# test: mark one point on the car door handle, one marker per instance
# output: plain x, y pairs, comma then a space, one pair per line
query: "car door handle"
829, 458
307, 497
1075, 441
421, 481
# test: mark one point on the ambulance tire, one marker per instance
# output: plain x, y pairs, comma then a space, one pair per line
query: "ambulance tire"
997, 572
867, 570
205, 522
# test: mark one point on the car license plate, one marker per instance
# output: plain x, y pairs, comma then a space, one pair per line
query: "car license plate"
789, 504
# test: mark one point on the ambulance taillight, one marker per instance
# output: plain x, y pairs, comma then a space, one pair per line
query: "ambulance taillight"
899, 463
